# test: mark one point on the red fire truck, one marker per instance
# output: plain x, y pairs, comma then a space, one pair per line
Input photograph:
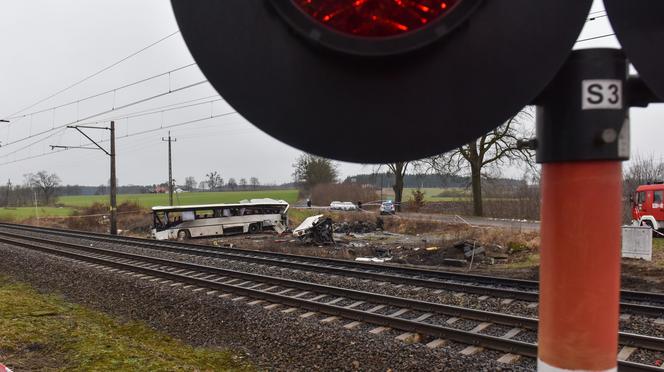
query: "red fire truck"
648, 206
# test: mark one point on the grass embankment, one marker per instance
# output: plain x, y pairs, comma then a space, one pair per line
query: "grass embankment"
43, 332
185, 198
20, 214
72, 203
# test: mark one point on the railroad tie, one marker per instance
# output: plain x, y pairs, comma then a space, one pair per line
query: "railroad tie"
317, 297
471, 350
307, 315
375, 308
271, 288
379, 330
625, 317
509, 358
409, 337
452, 320
352, 325
271, 306
511, 333
436, 343
533, 305
422, 317
354, 304
255, 302
483, 298
480, 327
507, 301
330, 319
239, 298
289, 310
659, 321
398, 313
625, 352
301, 294
336, 300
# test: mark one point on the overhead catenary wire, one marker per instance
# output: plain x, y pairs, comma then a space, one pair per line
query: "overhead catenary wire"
126, 136
106, 112
96, 95
79, 82
595, 37
130, 116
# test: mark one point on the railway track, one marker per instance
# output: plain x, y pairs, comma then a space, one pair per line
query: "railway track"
434, 322
634, 302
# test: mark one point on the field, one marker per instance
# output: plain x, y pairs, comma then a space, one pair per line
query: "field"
185, 198
45, 333
71, 203
435, 194
19, 214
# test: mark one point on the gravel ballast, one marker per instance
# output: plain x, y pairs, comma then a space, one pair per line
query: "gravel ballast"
269, 338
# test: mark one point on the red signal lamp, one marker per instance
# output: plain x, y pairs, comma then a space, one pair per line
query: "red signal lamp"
395, 79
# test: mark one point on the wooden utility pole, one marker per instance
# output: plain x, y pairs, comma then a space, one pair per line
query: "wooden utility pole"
170, 166
9, 187
114, 185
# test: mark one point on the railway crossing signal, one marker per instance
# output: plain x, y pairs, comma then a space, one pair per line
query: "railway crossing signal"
395, 91
422, 77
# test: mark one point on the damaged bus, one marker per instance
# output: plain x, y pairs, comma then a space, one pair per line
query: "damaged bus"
193, 221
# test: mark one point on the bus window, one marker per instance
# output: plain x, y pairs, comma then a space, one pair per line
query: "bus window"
640, 197
205, 213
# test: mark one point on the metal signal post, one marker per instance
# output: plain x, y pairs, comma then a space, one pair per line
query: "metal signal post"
582, 138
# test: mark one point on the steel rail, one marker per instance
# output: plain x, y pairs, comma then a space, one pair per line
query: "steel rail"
490, 342
376, 272
628, 339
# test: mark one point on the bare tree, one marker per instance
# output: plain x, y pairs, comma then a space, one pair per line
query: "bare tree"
399, 170
232, 184
243, 183
190, 183
45, 183
497, 148
254, 182
311, 170
214, 180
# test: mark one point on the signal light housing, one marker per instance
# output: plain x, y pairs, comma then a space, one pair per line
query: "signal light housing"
639, 26
379, 99
374, 27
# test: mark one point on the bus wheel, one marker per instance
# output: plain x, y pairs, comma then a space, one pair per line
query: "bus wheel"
183, 235
254, 228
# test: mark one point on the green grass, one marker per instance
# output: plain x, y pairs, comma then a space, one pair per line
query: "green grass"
43, 332
20, 214
185, 198
436, 194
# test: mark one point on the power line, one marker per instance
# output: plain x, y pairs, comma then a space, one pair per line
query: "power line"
125, 136
594, 37
96, 95
130, 116
96, 73
108, 111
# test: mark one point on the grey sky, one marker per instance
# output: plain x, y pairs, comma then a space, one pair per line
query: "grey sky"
47, 45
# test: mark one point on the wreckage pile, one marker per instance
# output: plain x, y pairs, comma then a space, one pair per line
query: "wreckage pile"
461, 253
355, 227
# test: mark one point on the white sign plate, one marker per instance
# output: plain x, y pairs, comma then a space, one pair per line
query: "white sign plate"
601, 94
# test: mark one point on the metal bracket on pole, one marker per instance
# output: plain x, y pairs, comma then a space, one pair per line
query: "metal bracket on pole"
111, 154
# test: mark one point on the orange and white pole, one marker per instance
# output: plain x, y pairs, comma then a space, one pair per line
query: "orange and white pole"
582, 137
580, 266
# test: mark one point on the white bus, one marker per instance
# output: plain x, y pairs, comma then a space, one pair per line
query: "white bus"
191, 221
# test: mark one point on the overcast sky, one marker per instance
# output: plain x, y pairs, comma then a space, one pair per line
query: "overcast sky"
48, 45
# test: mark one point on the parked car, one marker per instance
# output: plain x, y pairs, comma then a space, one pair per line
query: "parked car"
343, 206
387, 207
